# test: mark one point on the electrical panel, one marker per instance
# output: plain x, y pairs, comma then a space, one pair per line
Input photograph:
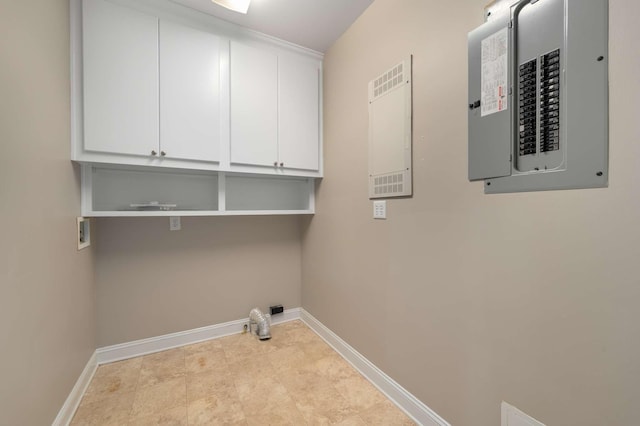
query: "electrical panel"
538, 97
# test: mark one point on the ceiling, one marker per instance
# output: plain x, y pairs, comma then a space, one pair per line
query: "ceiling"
315, 24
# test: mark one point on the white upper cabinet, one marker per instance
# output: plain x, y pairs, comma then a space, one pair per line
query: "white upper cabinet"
189, 93
155, 85
299, 115
254, 106
120, 79
275, 118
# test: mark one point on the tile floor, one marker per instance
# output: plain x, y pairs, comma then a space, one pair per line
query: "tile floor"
293, 379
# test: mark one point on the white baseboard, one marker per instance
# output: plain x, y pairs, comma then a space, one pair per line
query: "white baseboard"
73, 400
408, 403
169, 341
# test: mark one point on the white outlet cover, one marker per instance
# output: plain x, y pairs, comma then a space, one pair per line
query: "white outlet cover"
511, 416
380, 209
174, 223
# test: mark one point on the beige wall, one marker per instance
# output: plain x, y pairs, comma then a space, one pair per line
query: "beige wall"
152, 281
467, 299
47, 326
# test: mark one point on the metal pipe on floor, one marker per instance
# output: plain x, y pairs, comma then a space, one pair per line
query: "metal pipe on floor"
259, 322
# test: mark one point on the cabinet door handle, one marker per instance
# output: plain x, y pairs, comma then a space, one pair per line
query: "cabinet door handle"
275, 164
281, 164
153, 152
163, 153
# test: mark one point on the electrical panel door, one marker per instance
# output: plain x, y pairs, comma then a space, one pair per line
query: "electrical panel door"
548, 127
489, 82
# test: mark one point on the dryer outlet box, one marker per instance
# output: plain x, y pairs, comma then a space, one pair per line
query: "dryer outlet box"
276, 309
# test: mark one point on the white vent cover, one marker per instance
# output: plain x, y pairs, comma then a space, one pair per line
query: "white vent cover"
388, 184
388, 81
390, 133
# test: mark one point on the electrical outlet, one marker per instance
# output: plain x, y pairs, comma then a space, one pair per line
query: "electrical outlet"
84, 232
174, 223
380, 209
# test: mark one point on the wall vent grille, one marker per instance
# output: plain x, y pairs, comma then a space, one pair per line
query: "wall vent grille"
389, 185
388, 81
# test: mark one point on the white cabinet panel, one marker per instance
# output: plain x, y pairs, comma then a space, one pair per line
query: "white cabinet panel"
298, 135
148, 90
254, 106
189, 93
120, 59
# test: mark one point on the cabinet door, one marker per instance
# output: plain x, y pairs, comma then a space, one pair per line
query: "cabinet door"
299, 135
189, 93
120, 85
254, 106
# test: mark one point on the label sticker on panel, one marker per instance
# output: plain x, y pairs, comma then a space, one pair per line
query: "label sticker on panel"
495, 71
